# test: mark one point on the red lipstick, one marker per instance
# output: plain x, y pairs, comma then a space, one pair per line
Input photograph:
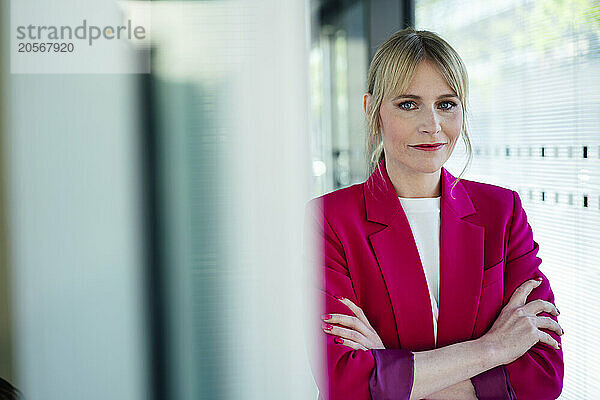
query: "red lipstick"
428, 146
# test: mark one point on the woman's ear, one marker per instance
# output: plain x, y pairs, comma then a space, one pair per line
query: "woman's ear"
367, 103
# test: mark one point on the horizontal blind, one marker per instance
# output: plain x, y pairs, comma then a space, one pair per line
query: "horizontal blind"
534, 123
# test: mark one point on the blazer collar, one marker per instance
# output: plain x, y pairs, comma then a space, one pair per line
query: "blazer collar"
461, 263
382, 200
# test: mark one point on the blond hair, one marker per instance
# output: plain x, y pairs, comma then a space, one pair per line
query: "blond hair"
391, 71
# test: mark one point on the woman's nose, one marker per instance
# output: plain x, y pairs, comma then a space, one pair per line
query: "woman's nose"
430, 122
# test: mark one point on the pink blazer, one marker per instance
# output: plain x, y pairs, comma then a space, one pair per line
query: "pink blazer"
369, 256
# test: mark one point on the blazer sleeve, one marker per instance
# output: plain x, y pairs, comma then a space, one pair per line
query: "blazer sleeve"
538, 374
349, 374
493, 384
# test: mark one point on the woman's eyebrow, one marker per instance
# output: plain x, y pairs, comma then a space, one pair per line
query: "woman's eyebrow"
412, 96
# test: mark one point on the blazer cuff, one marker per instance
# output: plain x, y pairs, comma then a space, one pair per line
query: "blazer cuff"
493, 384
393, 375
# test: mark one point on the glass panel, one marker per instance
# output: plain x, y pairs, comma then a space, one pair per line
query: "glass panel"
535, 93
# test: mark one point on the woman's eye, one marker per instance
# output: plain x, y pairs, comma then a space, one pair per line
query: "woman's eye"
447, 105
406, 105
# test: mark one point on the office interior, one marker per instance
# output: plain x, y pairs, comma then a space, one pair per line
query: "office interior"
151, 224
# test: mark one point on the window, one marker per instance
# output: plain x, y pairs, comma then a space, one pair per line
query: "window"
535, 87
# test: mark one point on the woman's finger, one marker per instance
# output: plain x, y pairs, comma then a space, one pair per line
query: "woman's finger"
347, 334
519, 296
549, 323
348, 321
356, 310
549, 340
537, 306
349, 343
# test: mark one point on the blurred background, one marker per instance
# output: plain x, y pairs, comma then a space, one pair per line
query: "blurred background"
151, 224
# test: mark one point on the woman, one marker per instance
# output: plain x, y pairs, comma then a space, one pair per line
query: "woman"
413, 239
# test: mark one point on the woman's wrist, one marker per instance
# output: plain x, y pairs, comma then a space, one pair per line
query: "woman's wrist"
461, 391
489, 351
437, 369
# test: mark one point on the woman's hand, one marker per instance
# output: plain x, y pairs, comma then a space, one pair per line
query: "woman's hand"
359, 333
517, 328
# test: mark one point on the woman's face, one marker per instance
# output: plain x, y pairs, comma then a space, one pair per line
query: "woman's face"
429, 112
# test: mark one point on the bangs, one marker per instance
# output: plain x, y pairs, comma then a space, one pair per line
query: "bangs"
453, 71
397, 80
398, 70
398, 65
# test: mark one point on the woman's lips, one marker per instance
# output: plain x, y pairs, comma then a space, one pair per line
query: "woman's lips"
429, 147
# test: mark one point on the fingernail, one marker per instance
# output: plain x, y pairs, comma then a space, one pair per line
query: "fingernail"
338, 297
327, 327
539, 278
325, 316
338, 340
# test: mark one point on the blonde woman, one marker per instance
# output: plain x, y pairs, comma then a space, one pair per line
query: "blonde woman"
431, 284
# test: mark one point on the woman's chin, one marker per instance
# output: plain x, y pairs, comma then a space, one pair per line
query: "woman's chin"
429, 168
419, 166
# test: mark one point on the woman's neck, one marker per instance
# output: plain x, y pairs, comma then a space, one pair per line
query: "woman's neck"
412, 183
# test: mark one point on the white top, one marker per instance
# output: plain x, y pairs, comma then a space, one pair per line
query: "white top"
423, 216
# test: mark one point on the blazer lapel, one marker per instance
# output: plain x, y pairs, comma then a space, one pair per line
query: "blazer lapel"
399, 262
461, 264
461, 258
